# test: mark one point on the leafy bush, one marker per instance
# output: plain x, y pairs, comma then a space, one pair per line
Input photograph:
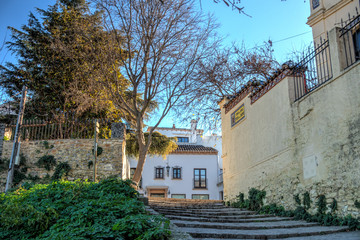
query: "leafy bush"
62, 169
47, 162
256, 198
300, 213
78, 210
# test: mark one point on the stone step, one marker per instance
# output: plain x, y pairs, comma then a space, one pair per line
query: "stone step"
214, 216
204, 213
355, 235
194, 206
226, 220
244, 226
203, 210
262, 233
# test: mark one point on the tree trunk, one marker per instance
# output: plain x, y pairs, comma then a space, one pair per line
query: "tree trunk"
143, 149
140, 166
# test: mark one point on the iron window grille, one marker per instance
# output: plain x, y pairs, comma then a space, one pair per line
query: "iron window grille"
350, 38
159, 173
182, 139
176, 173
199, 178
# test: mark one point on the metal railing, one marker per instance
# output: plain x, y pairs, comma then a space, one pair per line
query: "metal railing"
66, 129
350, 38
314, 70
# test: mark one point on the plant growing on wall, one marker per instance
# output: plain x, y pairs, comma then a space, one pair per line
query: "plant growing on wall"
47, 162
98, 152
61, 170
306, 200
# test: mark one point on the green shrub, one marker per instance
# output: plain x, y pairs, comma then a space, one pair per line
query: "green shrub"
297, 199
357, 204
78, 210
99, 151
321, 204
306, 200
256, 198
300, 213
47, 162
62, 169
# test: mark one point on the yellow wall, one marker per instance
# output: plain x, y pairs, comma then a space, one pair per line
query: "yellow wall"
287, 148
329, 14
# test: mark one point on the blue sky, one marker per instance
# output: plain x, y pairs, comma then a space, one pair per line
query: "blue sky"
270, 19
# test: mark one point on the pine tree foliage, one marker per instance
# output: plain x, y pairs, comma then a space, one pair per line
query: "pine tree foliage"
59, 59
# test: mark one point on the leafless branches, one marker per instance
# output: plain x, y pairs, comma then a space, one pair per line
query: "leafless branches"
161, 45
222, 75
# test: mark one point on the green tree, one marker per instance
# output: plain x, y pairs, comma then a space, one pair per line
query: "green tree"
59, 59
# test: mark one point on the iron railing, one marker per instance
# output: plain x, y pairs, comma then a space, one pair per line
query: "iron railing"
66, 129
350, 38
314, 70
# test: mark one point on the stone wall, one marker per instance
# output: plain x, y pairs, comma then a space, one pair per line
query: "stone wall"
77, 153
288, 148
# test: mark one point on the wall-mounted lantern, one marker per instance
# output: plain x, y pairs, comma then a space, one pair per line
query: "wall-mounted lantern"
168, 170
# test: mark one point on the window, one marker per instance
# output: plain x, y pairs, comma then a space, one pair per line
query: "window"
356, 39
200, 196
200, 178
182, 139
176, 173
159, 173
179, 196
315, 3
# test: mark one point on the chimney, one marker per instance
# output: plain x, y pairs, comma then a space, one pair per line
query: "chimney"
193, 138
173, 125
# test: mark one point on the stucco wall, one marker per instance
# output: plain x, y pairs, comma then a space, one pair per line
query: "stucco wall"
288, 148
77, 152
329, 14
187, 163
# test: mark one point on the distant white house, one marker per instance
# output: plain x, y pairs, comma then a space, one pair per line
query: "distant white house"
193, 171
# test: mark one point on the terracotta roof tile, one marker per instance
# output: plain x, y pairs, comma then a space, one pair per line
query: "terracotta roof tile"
188, 148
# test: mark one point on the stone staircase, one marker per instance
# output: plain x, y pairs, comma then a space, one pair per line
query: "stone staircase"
211, 220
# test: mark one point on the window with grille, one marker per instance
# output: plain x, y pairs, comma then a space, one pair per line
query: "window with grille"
182, 139
159, 173
176, 173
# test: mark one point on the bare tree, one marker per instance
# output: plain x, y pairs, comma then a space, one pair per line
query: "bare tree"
224, 74
161, 44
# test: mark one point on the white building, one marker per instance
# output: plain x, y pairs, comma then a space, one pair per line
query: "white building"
193, 171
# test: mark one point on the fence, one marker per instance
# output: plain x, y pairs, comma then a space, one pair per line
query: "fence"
314, 70
350, 38
67, 129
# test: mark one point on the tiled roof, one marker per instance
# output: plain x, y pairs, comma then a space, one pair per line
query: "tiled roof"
189, 148
200, 131
256, 88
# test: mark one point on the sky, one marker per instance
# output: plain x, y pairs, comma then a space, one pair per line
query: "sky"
283, 22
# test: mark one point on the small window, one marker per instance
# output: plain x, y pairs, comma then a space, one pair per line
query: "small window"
200, 196
182, 139
176, 173
356, 39
315, 3
159, 173
179, 196
200, 178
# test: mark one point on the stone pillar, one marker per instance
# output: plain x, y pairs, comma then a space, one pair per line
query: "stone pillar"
337, 51
118, 131
2, 134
